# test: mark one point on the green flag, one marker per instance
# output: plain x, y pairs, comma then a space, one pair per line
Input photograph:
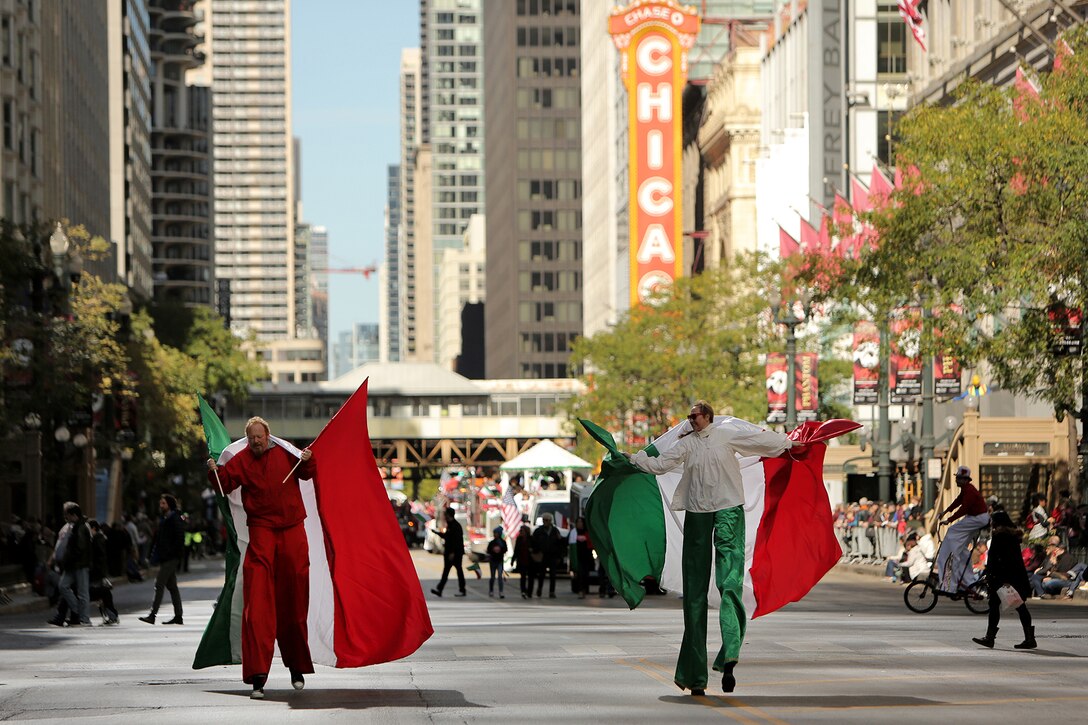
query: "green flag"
214, 430
215, 646
626, 520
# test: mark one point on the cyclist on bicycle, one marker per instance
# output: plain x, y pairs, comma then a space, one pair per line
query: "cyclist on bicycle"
971, 514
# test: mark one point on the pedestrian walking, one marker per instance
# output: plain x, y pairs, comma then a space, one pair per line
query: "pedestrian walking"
101, 588
546, 549
276, 570
453, 551
711, 493
167, 550
1005, 567
73, 554
523, 561
583, 554
496, 553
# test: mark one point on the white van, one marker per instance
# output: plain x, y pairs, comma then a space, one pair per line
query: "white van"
556, 503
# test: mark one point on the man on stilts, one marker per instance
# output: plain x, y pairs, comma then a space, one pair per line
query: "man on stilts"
711, 493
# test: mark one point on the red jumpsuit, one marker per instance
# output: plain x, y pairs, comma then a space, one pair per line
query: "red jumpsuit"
276, 571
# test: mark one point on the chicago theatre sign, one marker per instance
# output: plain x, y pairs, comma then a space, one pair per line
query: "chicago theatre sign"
653, 39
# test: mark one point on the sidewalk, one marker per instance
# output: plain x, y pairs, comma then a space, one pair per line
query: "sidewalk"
877, 571
20, 598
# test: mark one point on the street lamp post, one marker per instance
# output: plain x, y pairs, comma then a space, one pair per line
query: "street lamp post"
785, 316
928, 442
883, 444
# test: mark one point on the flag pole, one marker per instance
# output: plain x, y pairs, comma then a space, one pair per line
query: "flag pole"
218, 482
292, 471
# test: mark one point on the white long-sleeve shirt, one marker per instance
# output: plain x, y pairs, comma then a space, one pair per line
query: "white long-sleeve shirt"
711, 480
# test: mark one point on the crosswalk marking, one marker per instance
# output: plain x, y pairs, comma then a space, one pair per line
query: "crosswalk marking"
593, 649
482, 651
815, 647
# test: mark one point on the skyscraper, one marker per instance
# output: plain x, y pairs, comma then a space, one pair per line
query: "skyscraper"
452, 103
534, 177
254, 183
402, 277
181, 173
130, 142
21, 163
389, 300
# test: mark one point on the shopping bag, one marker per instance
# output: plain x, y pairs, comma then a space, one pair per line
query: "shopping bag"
1010, 598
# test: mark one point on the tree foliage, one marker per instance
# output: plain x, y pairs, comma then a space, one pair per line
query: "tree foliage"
706, 338
988, 229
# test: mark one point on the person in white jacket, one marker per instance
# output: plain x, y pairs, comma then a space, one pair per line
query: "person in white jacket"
711, 493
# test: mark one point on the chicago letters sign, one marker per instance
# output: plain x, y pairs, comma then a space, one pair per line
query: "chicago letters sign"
653, 39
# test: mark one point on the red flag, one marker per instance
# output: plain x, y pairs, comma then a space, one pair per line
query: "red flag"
860, 195
908, 9
380, 614
795, 544
844, 220
787, 245
880, 189
810, 238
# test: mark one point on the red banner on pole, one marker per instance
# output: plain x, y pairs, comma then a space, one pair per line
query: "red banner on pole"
777, 385
906, 360
808, 386
866, 363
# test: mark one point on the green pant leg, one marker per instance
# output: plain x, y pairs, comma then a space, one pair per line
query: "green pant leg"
698, 536
729, 549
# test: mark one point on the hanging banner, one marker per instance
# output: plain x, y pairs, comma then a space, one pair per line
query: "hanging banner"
946, 376
1065, 329
653, 39
808, 386
777, 385
866, 363
906, 361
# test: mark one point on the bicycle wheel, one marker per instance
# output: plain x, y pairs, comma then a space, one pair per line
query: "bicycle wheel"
920, 596
977, 597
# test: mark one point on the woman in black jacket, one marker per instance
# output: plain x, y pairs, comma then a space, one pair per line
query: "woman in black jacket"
1005, 565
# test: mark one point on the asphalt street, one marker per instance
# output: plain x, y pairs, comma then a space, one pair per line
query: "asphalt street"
850, 652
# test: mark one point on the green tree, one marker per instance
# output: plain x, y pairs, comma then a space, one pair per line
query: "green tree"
990, 222
705, 339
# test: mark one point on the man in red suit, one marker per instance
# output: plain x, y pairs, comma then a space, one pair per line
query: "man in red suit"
276, 570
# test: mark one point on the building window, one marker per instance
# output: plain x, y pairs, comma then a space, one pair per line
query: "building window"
886, 122
891, 45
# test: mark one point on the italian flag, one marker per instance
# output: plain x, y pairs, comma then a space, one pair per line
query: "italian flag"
789, 540
366, 604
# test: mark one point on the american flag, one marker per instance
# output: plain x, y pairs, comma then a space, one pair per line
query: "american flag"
511, 515
912, 16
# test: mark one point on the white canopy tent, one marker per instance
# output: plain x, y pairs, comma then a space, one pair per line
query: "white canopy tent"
546, 456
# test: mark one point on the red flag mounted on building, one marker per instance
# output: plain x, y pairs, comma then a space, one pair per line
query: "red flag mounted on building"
911, 10
787, 245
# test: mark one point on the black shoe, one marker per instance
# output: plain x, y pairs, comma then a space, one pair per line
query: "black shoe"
174, 620
984, 641
56, 621
150, 619
436, 592
460, 594
297, 680
551, 595
697, 692
258, 687
729, 682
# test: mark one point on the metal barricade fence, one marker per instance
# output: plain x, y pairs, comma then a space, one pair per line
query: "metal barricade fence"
867, 545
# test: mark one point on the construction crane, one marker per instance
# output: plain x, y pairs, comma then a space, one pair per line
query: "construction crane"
365, 271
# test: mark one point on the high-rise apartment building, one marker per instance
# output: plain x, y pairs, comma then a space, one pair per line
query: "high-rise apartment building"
461, 281
181, 166
319, 281
355, 347
21, 86
130, 186
403, 272
534, 178
452, 108
75, 82
254, 183
389, 274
